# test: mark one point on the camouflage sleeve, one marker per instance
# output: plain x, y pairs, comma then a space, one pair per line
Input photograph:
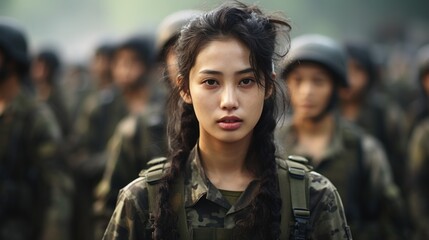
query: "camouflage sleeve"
419, 165
46, 137
104, 200
397, 142
114, 176
130, 220
328, 220
387, 202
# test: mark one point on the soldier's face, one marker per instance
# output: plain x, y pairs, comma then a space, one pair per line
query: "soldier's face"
358, 81
39, 71
425, 83
100, 67
127, 68
311, 88
2, 67
172, 67
223, 91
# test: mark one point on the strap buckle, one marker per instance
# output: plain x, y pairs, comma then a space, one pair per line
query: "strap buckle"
301, 227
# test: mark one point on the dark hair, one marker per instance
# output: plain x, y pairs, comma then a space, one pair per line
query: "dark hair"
143, 46
360, 52
259, 33
52, 61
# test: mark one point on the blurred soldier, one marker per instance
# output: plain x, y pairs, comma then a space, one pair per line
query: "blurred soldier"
45, 69
168, 33
419, 109
95, 124
418, 152
34, 191
77, 87
373, 112
354, 161
140, 136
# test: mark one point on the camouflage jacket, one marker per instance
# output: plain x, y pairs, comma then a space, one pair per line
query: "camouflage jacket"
34, 189
419, 168
206, 207
384, 120
137, 139
357, 165
94, 126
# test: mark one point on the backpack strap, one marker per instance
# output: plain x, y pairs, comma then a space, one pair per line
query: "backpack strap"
293, 184
297, 195
286, 209
153, 175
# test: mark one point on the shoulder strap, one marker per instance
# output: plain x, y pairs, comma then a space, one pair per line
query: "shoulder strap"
155, 173
297, 195
291, 172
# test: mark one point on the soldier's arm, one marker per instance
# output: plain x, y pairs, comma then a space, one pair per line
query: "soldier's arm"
45, 140
130, 220
384, 194
419, 161
328, 220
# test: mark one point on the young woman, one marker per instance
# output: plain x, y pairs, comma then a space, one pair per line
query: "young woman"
223, 153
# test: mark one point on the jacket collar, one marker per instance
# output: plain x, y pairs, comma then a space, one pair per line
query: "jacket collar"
198, 187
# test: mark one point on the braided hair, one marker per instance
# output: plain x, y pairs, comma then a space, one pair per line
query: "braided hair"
259, 33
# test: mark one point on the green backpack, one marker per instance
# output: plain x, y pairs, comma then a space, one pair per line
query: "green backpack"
294, 192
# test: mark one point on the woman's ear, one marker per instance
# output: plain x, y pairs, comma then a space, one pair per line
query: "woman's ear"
186, 96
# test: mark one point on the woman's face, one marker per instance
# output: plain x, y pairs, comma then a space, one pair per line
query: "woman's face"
358, 81
311, 88
425, 83
223, 90
127, 68
172, 67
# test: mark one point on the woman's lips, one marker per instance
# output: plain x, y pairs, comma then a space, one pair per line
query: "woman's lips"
230, 123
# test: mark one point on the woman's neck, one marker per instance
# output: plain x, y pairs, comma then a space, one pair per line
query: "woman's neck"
314, 136
136, 99
9, 89
43, 90
311, 127
225, 163
350, 109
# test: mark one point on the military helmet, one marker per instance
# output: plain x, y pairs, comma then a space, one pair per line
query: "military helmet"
319, 49
13, 42
169, 28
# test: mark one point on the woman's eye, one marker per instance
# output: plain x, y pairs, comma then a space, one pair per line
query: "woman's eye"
318, 81
210, 82
246, 82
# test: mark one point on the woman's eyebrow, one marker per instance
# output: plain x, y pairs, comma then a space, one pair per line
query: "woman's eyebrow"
214, 72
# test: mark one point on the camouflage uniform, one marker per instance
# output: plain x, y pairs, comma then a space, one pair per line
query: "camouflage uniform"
34, 202
57, 104
384, 120
419, 166
357, 165
96, 124
207, 208
137, 139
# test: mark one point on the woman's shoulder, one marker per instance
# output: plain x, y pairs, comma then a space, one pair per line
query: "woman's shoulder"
327, 210
318, 182
135, 195
319, 186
